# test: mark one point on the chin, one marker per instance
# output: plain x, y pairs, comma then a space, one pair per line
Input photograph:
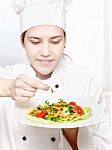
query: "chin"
44, 72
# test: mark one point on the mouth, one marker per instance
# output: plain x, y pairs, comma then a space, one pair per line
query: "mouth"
45, 62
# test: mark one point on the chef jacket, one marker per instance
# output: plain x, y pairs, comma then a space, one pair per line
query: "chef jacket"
73, 82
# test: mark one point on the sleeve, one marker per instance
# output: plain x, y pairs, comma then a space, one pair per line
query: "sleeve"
5, 72
9, 71
99, 136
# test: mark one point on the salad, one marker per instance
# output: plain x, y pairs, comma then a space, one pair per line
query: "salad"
59, 112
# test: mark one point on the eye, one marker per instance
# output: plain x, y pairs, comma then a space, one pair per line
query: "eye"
55, 42
35, 42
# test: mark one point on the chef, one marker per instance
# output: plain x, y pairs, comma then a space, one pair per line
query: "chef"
43, 36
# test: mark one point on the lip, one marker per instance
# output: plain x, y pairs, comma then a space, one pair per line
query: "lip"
45, 62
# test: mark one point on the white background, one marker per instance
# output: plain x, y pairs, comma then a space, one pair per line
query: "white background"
89, 37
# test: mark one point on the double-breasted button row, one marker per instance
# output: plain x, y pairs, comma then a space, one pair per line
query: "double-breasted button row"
53, 139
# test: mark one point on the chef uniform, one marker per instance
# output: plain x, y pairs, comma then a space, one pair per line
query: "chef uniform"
72, 82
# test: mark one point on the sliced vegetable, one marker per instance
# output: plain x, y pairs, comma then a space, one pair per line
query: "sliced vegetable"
73, 104
41, 114
59, 112
78, 110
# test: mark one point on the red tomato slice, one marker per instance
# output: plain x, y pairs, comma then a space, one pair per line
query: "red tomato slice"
72, 104
78, 110
42, 114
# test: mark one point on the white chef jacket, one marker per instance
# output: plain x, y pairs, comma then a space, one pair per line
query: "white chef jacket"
73, 82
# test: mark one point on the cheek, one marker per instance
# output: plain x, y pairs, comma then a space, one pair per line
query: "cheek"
58, 51
31, 51
58, 54
30, 54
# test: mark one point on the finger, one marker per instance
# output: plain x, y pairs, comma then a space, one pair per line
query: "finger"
22, 99
29, 88
34, 83
41, 85
24, 93
21, 84
27, 93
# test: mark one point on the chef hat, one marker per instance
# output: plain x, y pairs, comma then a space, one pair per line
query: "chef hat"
41, 12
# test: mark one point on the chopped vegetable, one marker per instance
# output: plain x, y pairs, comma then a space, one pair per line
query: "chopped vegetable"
78, 110
60, 111
73, 104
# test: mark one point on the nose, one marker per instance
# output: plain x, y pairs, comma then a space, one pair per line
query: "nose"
45, 50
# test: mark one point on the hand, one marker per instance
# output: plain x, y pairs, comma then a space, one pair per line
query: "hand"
23, 88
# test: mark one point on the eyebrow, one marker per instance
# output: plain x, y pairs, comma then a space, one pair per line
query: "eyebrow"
58, 36
34, 37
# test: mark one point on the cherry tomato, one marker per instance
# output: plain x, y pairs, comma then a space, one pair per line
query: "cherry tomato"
72, 104
41, 114
78, 110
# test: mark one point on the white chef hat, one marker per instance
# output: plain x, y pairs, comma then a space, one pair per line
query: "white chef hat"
41, 12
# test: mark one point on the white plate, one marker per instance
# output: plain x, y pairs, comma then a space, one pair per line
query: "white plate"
97, 116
